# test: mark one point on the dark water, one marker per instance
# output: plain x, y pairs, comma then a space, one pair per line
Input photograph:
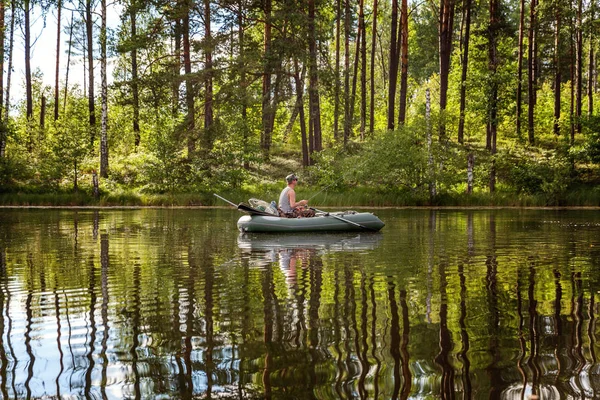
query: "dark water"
175, 304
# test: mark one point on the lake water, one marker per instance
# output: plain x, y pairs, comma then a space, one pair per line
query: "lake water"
176, 304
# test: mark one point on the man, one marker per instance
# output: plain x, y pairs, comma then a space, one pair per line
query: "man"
288, 206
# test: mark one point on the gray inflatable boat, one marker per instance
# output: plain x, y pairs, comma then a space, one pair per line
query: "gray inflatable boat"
322, 222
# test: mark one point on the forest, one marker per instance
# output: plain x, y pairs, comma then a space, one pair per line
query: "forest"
378, 102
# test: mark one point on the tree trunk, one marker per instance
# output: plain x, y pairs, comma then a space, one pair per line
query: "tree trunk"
90, 59
372, 75
68, 61
336, 109
557, 75
299, 81
265, 142
393, 66
445, 45
578, 65
176, 67
10, 65
429, 134
313, 91
493, 106
363, 72
43, 113
590, 88
28, 89
404, 62
355, 74
190, 118
208, 80
531, 84
347, 118
520, 68
572, 102
465, 66
2, 40
134, 73
104, 96
56, 89
243, 85
470, 165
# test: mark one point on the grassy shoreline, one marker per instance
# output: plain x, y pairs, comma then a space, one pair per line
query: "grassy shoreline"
588, 197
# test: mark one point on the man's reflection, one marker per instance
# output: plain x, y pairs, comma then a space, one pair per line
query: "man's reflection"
292, 259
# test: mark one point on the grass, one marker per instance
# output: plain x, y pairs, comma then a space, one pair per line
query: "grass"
352, 197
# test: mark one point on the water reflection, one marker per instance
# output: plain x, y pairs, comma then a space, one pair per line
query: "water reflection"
162, 304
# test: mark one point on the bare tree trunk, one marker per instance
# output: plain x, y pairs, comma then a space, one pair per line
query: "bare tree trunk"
299, 80
372, 75
393, 66
557, 74
336, 110
265, 142
56, 89
493, 107
347, 117
355, 75
134, 74
572, 103
470, 165
243, 84
176, 67
531, 84
429, 133
190, 118
578, 64
404, 62
313, 90
208, 82
10, 64
590, 88
520, 67
2, 40
28, 89
104, 96
68, 61
363, 72
43, 113
445, 45
90, 58
465, 66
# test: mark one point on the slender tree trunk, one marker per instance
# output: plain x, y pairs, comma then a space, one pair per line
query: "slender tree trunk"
103, 95
573, 78
531, 84
493, 106
176, 67
336, 111
363, 72
243, 84
465, 66
445, 45
265, 142
208, 83
393, 66
43, 113
90, 58
355, 74
429, 134
372, 75
578, 64
2, 49
557, 75
28, 89
299, 81
347, 118
68, 61
190, 118
404, 61
313, 91
134, 73
56, 88
520, 68
590, 88
10, 65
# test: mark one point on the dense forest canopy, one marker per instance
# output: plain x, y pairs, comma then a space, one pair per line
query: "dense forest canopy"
426, 97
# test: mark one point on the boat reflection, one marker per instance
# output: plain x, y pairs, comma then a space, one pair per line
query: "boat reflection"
329, 242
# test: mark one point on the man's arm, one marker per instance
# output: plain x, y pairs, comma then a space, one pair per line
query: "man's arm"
292, 196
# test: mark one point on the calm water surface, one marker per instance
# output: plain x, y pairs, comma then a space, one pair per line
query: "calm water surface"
176, 304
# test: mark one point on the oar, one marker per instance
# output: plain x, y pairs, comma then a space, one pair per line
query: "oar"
225, 200
345, 220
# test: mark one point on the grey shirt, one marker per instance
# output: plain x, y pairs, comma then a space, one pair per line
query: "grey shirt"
284, 200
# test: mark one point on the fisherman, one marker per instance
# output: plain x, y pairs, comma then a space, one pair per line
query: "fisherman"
288, 206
